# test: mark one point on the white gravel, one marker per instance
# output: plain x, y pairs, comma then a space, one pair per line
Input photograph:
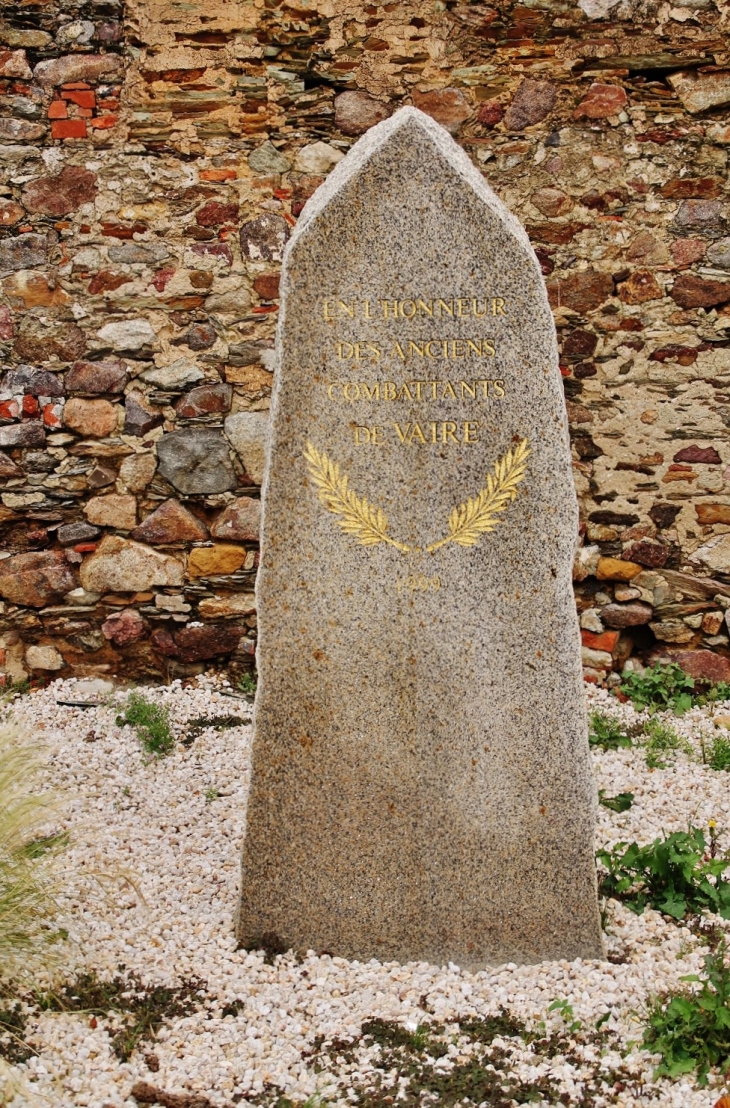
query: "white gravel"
150, 881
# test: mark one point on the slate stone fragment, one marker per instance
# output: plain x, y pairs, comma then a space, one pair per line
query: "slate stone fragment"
125, 627
23, 252
61, 194
196, 461
205, 400
581, 292
263, 239
196, 644
356, 112
698, 216
201, 336
267, 159
23, 434
105, 376
239, 521
71, 533
448, 106
703, 454
690, 291
138, 417
170, 523
633, 614
8, 468
533, 101
41, 339
121, 565
32, 382
35, 579
76, 67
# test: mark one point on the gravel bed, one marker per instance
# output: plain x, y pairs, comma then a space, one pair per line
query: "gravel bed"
150, 882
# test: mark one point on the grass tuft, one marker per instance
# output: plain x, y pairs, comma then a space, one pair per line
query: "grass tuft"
607, 732
27, 856
151, 722
660, 740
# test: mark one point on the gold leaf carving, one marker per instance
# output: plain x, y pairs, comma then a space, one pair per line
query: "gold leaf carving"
480, 514
367, 524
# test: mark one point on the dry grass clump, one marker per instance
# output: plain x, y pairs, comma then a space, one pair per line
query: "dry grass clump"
27, 855
27, 886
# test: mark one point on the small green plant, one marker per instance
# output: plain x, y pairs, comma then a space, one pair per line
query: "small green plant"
210, 795
676, 874
716, 754
619, 803
150, 721
565, 1010
714, 694
247, 683
659, 688
14, 689
664, 687
691, 1030
607, 732
658, 740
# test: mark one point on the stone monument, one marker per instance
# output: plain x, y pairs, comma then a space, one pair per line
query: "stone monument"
421, 786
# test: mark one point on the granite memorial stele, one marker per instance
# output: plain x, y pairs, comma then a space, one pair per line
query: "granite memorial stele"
420, 780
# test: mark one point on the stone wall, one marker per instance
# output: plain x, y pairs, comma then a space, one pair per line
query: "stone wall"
155, 159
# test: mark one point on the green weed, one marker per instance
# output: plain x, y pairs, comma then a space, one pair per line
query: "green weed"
691, 1030
14, 689
565, 1011
247, 683
607, 732
619, 803
150, 721
676, 874
196, 727
404, 1066
658, 740
663, 687
659, 688
717, 754
714, 694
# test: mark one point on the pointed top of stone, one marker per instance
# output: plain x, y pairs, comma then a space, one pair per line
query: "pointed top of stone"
410, 124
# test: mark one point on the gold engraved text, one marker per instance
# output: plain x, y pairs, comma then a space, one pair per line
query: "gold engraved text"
482, 388
460, 307
418, 582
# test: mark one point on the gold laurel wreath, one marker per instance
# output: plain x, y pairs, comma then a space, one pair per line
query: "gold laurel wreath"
368, 524
479, 514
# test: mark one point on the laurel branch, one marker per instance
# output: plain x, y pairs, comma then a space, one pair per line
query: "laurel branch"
368, 524
480, 514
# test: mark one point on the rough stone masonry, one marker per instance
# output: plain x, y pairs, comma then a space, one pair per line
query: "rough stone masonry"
155, 158
420, 784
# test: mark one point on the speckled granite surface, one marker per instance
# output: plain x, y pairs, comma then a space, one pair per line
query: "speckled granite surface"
421, 785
